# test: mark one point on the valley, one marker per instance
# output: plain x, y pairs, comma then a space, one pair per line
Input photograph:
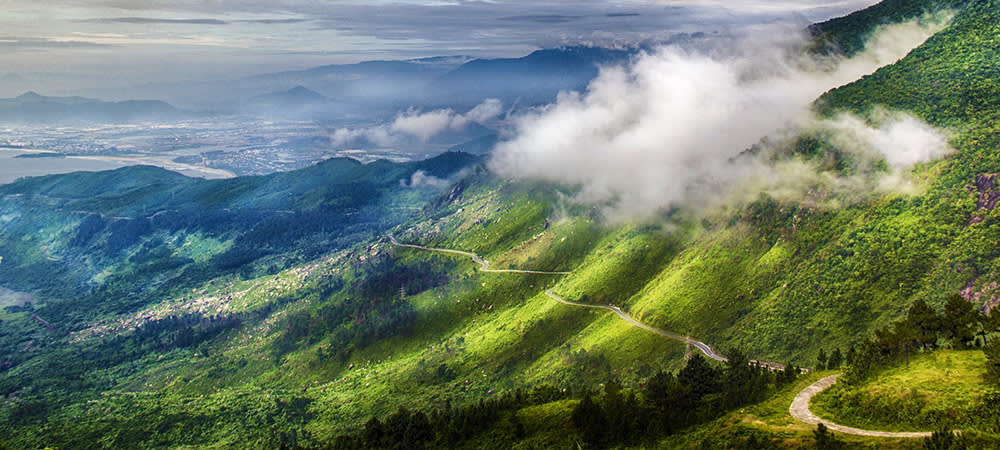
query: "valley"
313, 300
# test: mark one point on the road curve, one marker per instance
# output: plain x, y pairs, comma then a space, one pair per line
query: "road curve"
484, 265
700, 345
799, 409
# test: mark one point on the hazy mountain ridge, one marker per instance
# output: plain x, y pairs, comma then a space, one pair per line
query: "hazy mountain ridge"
32, 107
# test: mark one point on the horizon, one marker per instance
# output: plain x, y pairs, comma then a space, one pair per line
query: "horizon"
97, 47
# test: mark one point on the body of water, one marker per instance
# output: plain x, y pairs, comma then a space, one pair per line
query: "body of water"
12, 168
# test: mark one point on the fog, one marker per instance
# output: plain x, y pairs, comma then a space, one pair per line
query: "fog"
666, 130
418, 124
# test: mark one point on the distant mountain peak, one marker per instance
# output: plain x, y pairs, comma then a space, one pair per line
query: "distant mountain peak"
30, 95
303, 91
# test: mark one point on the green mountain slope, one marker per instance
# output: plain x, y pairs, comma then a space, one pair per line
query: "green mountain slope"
260, 311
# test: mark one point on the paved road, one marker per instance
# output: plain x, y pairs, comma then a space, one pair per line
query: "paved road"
700, 345
799, 409
484, 265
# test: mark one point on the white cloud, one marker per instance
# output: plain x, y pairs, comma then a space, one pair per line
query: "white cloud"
418, 124
487, 110
902, 139
426, 125
664, 132
422, 179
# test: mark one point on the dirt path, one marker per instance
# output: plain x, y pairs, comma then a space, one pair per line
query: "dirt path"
800, 411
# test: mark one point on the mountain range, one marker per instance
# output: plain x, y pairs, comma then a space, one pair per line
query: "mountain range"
32, 107
436, 304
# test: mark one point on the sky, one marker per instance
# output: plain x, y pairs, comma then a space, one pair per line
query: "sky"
136, 41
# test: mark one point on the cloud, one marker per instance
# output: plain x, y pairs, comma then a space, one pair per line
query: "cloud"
426, 125
417, 124
487, 110
422, 179
901, 139
666, 131
496, 25
151, 20
542, 18
272, 21
36, 43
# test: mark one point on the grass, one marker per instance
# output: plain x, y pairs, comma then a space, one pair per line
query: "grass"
935, 390
770, 422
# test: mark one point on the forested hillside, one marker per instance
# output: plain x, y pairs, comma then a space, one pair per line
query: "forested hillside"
148, 310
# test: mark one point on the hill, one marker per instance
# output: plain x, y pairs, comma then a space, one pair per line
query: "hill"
536, 77
272, 310
32, 107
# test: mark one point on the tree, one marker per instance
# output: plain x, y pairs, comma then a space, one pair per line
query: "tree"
373, 433
959, 321
852, 354
662, 395
824, 438
589, 418
739, 380
924, 322
418, 431
835, 360
944, 440
992, 352
821, 360
700, 377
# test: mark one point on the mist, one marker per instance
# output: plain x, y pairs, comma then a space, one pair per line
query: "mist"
667, 130
414, 123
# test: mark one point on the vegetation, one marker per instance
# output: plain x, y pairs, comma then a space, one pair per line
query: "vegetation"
665, 404
147, 310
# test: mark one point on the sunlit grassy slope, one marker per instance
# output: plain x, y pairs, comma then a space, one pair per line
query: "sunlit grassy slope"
297, 346
936, 390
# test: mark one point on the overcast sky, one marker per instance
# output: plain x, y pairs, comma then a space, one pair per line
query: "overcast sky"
157, 40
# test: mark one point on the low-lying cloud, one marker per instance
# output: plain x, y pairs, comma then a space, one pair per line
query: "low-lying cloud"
414, 123
666, 130
421, 179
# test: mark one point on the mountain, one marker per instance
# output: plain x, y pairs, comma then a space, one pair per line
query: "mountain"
33, 107
372, 87
479, 146
149, 310
537, 77
297, 102
847, 35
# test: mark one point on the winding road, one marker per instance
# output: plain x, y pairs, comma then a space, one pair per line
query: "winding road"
698, 344
484, 264
799, 409
485, 267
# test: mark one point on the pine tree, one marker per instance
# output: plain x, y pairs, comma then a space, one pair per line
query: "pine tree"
959, 321
824, 438
821, 360
589, 418
992, 352
924, 322
835, 360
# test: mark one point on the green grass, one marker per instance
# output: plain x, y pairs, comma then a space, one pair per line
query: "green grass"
936, 390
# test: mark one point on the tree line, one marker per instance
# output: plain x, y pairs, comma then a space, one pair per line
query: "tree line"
960, 325
663, 404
